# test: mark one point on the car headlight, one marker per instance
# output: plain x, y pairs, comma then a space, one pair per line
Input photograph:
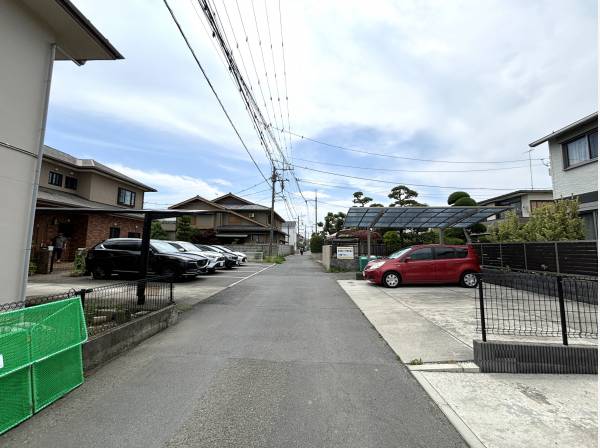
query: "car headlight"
375, 265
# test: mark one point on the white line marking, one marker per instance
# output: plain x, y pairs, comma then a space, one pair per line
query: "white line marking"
246, 278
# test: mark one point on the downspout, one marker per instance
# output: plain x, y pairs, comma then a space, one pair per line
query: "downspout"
36, 178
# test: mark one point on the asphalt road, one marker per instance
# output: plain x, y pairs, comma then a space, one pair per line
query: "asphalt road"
282, 359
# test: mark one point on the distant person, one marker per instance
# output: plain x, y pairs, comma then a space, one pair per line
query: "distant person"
60, 242
301, 251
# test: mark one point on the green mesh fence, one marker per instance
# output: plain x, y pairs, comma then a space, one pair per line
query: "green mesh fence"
40, 351
55, 376
15, 398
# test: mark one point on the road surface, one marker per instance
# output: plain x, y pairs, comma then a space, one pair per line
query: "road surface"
282, 359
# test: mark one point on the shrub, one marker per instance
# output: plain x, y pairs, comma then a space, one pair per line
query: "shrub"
456, 196
316, 243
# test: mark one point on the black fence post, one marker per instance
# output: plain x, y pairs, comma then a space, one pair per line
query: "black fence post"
481, 308
561, 306
82, 295
171, 290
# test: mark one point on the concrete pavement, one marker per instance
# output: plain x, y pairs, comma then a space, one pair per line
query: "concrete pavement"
437, 325
282, 359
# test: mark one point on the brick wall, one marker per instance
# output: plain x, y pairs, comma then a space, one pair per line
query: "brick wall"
98, 227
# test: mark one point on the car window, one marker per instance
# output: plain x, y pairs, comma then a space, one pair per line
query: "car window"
162, 247
422, 254
118, 245
399, 253
130, 245
462, 253
444, 253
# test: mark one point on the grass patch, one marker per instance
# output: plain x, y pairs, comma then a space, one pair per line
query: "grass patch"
277, 259
416, 362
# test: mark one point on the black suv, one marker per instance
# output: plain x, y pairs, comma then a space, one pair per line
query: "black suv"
231, 260
122, 256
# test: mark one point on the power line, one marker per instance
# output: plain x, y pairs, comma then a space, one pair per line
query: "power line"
393, 156
405, 183
249, 188
212, 88
411, 171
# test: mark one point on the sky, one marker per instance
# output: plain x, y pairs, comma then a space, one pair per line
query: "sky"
452, 82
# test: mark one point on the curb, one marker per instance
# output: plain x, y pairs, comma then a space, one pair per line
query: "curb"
463, 429
460, 367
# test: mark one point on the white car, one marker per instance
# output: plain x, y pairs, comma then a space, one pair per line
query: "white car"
215, 261
242, 257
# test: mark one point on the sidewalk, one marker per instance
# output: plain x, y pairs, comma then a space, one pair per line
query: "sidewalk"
436, 325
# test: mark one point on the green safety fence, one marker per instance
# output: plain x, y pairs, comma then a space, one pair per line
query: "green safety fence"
40, 357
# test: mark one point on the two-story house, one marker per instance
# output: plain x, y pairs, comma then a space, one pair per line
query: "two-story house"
574, 167
33, 36
523, 203
236, 220
66, 181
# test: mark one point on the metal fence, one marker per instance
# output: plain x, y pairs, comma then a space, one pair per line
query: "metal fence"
109, 306
532, 304
563, 257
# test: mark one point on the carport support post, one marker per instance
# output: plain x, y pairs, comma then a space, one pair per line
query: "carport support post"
369, 243
144, 253
441, 235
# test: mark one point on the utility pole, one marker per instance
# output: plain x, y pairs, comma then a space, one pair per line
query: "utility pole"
298, 234
316, 227
273, 180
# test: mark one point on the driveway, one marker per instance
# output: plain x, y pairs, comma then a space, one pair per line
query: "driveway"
283, 359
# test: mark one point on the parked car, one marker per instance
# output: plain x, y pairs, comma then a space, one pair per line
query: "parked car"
431, 263
242, 257
122, 256
231, 260
215, 259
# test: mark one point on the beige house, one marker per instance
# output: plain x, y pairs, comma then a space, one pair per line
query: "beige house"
235, 221
574, 167
33, 34
67, 181
523, 203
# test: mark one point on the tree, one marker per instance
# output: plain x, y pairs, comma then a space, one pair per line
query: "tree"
403, 197
456, 196
157, 232
316, 243
392, 241
558, 221
376, 204
465, 201
184, 229
334, 222
360, 198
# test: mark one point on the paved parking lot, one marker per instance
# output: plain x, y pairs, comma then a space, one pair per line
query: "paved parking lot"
187, 292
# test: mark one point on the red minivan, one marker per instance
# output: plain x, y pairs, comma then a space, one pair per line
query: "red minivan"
430, 263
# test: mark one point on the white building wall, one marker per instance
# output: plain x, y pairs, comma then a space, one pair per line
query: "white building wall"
576, 180
25, 50
289, 227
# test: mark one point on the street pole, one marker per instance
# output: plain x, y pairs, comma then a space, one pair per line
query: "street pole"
316, 227
273, 180
298, 234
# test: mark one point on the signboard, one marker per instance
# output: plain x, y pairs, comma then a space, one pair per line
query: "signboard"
345, 253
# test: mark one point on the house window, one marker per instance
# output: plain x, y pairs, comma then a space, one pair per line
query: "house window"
133, 235
581, 149
55, 179
126, 197
538, 204
114, 232
71, 183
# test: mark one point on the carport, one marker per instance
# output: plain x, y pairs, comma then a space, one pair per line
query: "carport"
149, 216
400, 218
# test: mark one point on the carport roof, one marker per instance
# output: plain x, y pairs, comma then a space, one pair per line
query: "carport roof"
418, 217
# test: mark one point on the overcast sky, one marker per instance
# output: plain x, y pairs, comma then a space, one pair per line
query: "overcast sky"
440, 80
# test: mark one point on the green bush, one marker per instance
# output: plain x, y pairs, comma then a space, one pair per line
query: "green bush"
277, 259
32, 267
316, 243
79, 262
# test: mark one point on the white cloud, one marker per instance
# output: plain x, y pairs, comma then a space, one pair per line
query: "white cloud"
172, 188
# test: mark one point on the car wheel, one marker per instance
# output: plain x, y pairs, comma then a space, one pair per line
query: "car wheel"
391, 279
468, 280
100, 272
169, 272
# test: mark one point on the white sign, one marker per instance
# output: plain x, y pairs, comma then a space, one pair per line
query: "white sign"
345, 253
